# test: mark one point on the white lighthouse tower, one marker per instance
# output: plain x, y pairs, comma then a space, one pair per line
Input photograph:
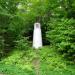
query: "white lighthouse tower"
37, 36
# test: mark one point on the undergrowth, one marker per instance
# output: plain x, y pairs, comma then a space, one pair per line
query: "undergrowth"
51, 63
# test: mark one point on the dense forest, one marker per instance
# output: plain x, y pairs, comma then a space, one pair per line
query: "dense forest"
57, 19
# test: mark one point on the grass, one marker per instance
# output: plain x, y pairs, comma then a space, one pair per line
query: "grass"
51, 63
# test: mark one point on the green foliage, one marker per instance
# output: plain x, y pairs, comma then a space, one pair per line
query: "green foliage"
3, 28
19, 62
57, 19
20, 58
1, 46
13, 70
22, 44
61, 35
52, 63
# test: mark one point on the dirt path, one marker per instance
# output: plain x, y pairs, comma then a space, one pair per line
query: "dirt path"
1, 74
36, 64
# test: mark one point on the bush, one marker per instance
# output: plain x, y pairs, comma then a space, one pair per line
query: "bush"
22, 43
61, 35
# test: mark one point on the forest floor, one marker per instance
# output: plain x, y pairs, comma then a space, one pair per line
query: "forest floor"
45, 61
36, 63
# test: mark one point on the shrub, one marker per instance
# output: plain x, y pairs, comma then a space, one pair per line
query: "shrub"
61, 35
22, 43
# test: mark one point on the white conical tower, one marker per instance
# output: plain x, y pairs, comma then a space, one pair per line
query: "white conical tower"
37, 36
